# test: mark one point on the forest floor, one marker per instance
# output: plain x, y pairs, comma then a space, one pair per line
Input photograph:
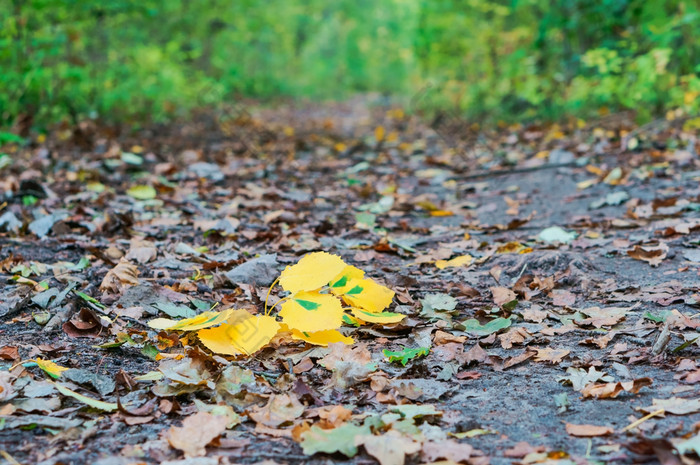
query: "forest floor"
552, 273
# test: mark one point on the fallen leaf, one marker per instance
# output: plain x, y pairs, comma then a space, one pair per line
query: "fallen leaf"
551, 355
502, 295
611, 390
98, 404
653, 255
52, 369
196, 432
588, 431
123, 275
462, 260
368, 295
674, 405
390, 448
280, 409
312, 311
312, 272
341, 439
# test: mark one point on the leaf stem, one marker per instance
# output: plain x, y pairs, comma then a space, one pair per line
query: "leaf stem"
267, 297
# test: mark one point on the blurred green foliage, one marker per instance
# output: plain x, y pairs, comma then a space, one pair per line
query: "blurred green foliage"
126, 60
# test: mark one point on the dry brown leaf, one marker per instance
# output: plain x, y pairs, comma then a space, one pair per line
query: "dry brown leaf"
563, 298
502, 295
522, 449
513, 336
653, 255
196, 432
280, 409
528, 354
332, 417
588, 431
674, 405
599, 317
121, 276
551, 355
390, 448
447, 449
610, 390
141, 251
534, 314
350, 364
442, 337
475, 354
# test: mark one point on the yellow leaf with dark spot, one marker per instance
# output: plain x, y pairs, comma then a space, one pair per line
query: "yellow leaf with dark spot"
341, 283
312, 272
312, 311
322, 338
368, 295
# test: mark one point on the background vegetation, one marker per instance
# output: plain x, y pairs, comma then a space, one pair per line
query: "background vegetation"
126, 60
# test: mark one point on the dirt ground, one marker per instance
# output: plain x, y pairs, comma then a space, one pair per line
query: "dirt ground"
613, 290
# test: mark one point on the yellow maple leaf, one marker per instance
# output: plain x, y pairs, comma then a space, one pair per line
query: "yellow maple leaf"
462, 260
201, 321
368, 295
340, 284
312, 272
52, 369
312, 311
322, 338
382, 317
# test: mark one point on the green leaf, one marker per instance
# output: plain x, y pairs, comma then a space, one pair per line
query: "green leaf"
330, 441
92, 300
5, 160
142, 192
149, 351
98, 404
132, 159
474, 327
406, 354
414, 411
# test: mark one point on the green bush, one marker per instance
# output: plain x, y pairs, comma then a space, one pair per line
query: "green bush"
128, 60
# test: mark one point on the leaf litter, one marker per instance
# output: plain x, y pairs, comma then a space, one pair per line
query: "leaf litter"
391, 302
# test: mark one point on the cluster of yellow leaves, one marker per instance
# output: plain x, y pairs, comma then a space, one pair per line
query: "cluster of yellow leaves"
321, 286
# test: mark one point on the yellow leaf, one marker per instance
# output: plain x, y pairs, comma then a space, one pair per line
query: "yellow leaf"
312, 272
312, 311
245, 336
201, 321
51, 368
322, 338
253, 334
98, 404
379, 133
368, 295
441, 213
462, 260
340, 283
218, 341
383, 317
